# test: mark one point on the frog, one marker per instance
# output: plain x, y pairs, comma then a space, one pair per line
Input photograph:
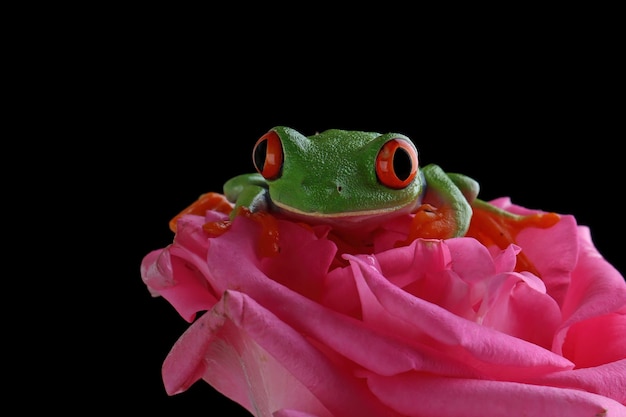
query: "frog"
353, 181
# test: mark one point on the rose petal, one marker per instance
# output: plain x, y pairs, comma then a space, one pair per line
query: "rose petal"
493, 353
597, 341
152, 272
517, 304
597, 289
504, 260
303, 262
293, 413
425, 269
177, 273
608, 380
336, 333
420, 395
340, 293
254, 358
553, 251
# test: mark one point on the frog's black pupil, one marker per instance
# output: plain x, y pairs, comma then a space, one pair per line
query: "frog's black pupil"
259, 155
402, 164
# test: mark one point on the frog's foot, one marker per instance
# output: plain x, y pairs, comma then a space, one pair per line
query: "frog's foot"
208, 201
430, 222
494, 227
268, 240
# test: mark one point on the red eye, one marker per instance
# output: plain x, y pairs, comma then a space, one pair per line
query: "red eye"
267, 155
396, 163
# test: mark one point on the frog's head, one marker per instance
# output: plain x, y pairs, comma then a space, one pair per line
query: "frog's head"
338, 173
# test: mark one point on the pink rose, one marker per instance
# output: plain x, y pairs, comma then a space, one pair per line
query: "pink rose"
434, 328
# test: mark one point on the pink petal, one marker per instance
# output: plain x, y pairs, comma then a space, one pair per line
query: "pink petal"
517, 304
596, 341
254, 358
292, 413
597, 289
340, 293
585, 285
189, 231
303, 262
472, 260
553, 251
177, 273
426, 270
178, 281
389, 309
420, 395
152, 272
505, 260
335, 333
608, 380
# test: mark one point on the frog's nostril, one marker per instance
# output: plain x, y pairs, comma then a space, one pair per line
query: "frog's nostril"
339, 188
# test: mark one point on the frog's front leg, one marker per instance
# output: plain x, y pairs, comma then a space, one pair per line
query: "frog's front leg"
247, 190
469, 187
445, 211
250, 195
244, 195
242, 190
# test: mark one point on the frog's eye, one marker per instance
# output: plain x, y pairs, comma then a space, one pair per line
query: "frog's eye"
267, 155
396, 163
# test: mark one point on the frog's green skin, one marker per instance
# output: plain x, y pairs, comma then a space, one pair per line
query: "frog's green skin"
330, 177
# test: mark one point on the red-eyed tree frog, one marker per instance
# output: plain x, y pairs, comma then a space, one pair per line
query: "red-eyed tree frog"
353, 181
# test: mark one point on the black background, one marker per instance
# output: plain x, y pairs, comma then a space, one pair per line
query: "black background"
174, 120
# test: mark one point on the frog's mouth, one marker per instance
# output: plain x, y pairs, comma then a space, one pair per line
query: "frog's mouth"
346, 218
